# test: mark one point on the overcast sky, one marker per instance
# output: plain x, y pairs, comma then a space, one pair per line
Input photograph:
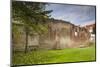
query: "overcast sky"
76, 14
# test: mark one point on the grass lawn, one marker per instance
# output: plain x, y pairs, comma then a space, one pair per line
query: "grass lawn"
54, 56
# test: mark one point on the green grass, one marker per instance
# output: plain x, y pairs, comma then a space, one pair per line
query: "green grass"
54, 56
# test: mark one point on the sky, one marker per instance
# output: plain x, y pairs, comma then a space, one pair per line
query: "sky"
76, 14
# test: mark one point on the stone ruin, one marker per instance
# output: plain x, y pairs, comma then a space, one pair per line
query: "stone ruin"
61, 34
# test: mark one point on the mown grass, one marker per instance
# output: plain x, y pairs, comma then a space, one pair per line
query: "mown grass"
54, 56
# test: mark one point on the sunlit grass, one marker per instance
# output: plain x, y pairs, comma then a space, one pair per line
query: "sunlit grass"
54, 56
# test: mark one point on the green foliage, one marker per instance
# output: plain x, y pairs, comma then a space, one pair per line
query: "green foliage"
55, 56
94, 30
29, 12
91, 44
15, 33
32, 16
40, 28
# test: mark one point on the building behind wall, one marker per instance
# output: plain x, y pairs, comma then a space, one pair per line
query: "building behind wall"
92, 30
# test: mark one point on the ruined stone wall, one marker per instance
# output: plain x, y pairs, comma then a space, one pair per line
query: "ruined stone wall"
60, 35
68, 35
79, 36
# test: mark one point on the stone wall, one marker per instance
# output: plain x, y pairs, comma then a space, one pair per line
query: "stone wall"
60, 35
67, 35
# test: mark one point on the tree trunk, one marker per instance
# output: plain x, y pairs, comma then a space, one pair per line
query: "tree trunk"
26, 45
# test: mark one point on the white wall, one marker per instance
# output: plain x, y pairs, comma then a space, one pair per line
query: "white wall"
5, 33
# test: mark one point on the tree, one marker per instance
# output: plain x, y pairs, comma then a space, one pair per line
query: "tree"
29, 14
